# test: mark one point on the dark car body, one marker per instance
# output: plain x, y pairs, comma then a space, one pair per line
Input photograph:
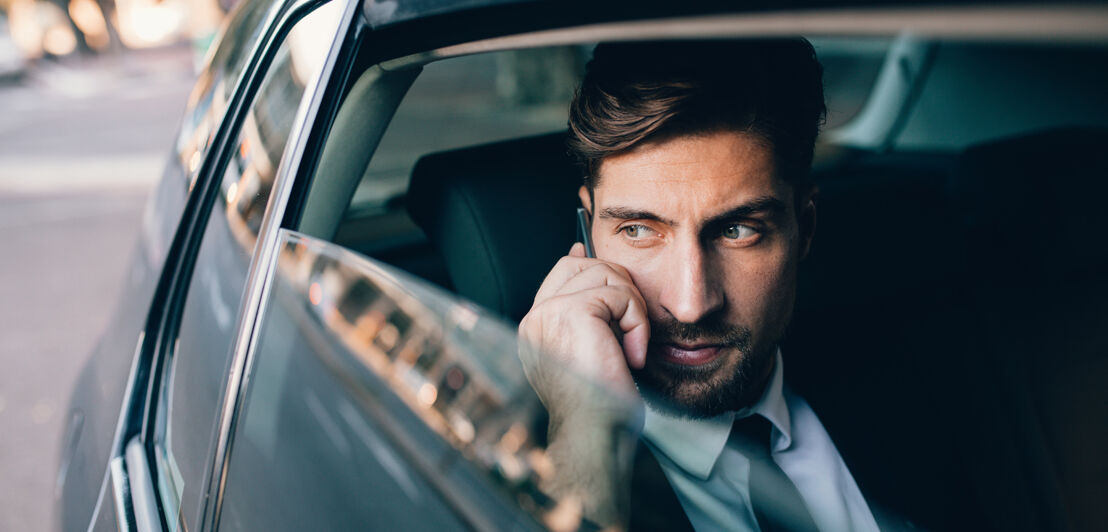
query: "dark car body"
318, 327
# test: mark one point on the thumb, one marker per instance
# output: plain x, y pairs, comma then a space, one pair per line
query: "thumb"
578, 250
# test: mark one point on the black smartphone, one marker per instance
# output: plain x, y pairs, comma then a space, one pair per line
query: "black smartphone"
584, 232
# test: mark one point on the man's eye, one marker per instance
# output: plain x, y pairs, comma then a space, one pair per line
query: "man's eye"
635, 231
738, 232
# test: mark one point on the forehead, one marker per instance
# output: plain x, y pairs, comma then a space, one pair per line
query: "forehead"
692, 172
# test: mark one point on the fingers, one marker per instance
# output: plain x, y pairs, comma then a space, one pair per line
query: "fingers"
576, 309
628, 308
569, 267
596, 275
620, 304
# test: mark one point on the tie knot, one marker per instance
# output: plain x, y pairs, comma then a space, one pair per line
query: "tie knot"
751, 435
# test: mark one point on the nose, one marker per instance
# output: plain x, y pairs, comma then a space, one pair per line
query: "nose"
691, 289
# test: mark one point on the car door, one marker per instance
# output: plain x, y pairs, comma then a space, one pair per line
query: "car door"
162, 461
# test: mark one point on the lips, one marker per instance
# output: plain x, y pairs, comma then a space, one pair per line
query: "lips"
689, 354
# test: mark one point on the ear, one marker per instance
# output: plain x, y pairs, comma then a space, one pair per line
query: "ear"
806, 218
586, 199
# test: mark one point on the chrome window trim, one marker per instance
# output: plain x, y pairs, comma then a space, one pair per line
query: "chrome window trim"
1072, 23
144, 502
265, 255
121, 495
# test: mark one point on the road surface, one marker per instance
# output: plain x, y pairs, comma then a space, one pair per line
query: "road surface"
81, 145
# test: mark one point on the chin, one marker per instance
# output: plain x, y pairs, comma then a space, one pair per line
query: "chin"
708, 390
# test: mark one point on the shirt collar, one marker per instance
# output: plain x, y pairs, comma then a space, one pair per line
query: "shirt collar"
695, 444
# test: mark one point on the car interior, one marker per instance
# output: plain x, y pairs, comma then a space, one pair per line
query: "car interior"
949, 324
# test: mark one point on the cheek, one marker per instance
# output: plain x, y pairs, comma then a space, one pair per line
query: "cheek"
761, 290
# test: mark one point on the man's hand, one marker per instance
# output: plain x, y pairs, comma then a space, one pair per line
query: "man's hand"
588, 318
588, 326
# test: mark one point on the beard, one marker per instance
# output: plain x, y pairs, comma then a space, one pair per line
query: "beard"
732, 381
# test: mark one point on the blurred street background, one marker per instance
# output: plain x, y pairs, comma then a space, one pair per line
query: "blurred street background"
89, 104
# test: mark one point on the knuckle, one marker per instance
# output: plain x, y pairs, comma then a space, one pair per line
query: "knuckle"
566, 262
626, 291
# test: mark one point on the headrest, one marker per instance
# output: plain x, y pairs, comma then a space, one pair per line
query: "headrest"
500, 214
1039, 197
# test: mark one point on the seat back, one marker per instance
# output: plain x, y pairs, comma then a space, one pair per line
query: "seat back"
501, 215
1034, 211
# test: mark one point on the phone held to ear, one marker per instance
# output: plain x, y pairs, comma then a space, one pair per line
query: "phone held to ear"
584, 232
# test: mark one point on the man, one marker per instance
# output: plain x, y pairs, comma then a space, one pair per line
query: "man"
696, 159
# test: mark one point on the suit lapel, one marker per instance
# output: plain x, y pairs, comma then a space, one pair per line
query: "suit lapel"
654, 504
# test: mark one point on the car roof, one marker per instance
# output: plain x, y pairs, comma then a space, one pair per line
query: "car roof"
1080, 20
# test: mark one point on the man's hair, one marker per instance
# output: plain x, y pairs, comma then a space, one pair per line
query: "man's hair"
639, 92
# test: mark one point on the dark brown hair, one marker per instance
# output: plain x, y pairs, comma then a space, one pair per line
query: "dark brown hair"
638, 92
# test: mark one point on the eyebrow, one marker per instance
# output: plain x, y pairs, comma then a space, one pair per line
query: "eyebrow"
762, 204
757, 205
627, 213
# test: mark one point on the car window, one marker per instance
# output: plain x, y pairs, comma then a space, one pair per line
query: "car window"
378, 401
192, 386
231, 52
397, 403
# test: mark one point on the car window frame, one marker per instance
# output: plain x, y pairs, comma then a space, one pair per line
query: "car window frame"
207, 328
136, 505
309, 125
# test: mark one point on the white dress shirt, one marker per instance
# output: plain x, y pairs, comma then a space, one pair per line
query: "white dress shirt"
711, 478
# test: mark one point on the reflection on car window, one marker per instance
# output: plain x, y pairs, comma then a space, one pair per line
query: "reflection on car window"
208, 101
401, 406
193, 383
261, 142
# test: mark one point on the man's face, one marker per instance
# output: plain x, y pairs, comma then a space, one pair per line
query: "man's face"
711, 238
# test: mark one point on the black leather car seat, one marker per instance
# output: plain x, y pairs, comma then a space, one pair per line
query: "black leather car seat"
1035, 214
879, 317
500, 215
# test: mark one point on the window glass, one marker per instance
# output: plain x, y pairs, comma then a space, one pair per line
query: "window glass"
377, 400
208, 101
380, 402
196, 369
